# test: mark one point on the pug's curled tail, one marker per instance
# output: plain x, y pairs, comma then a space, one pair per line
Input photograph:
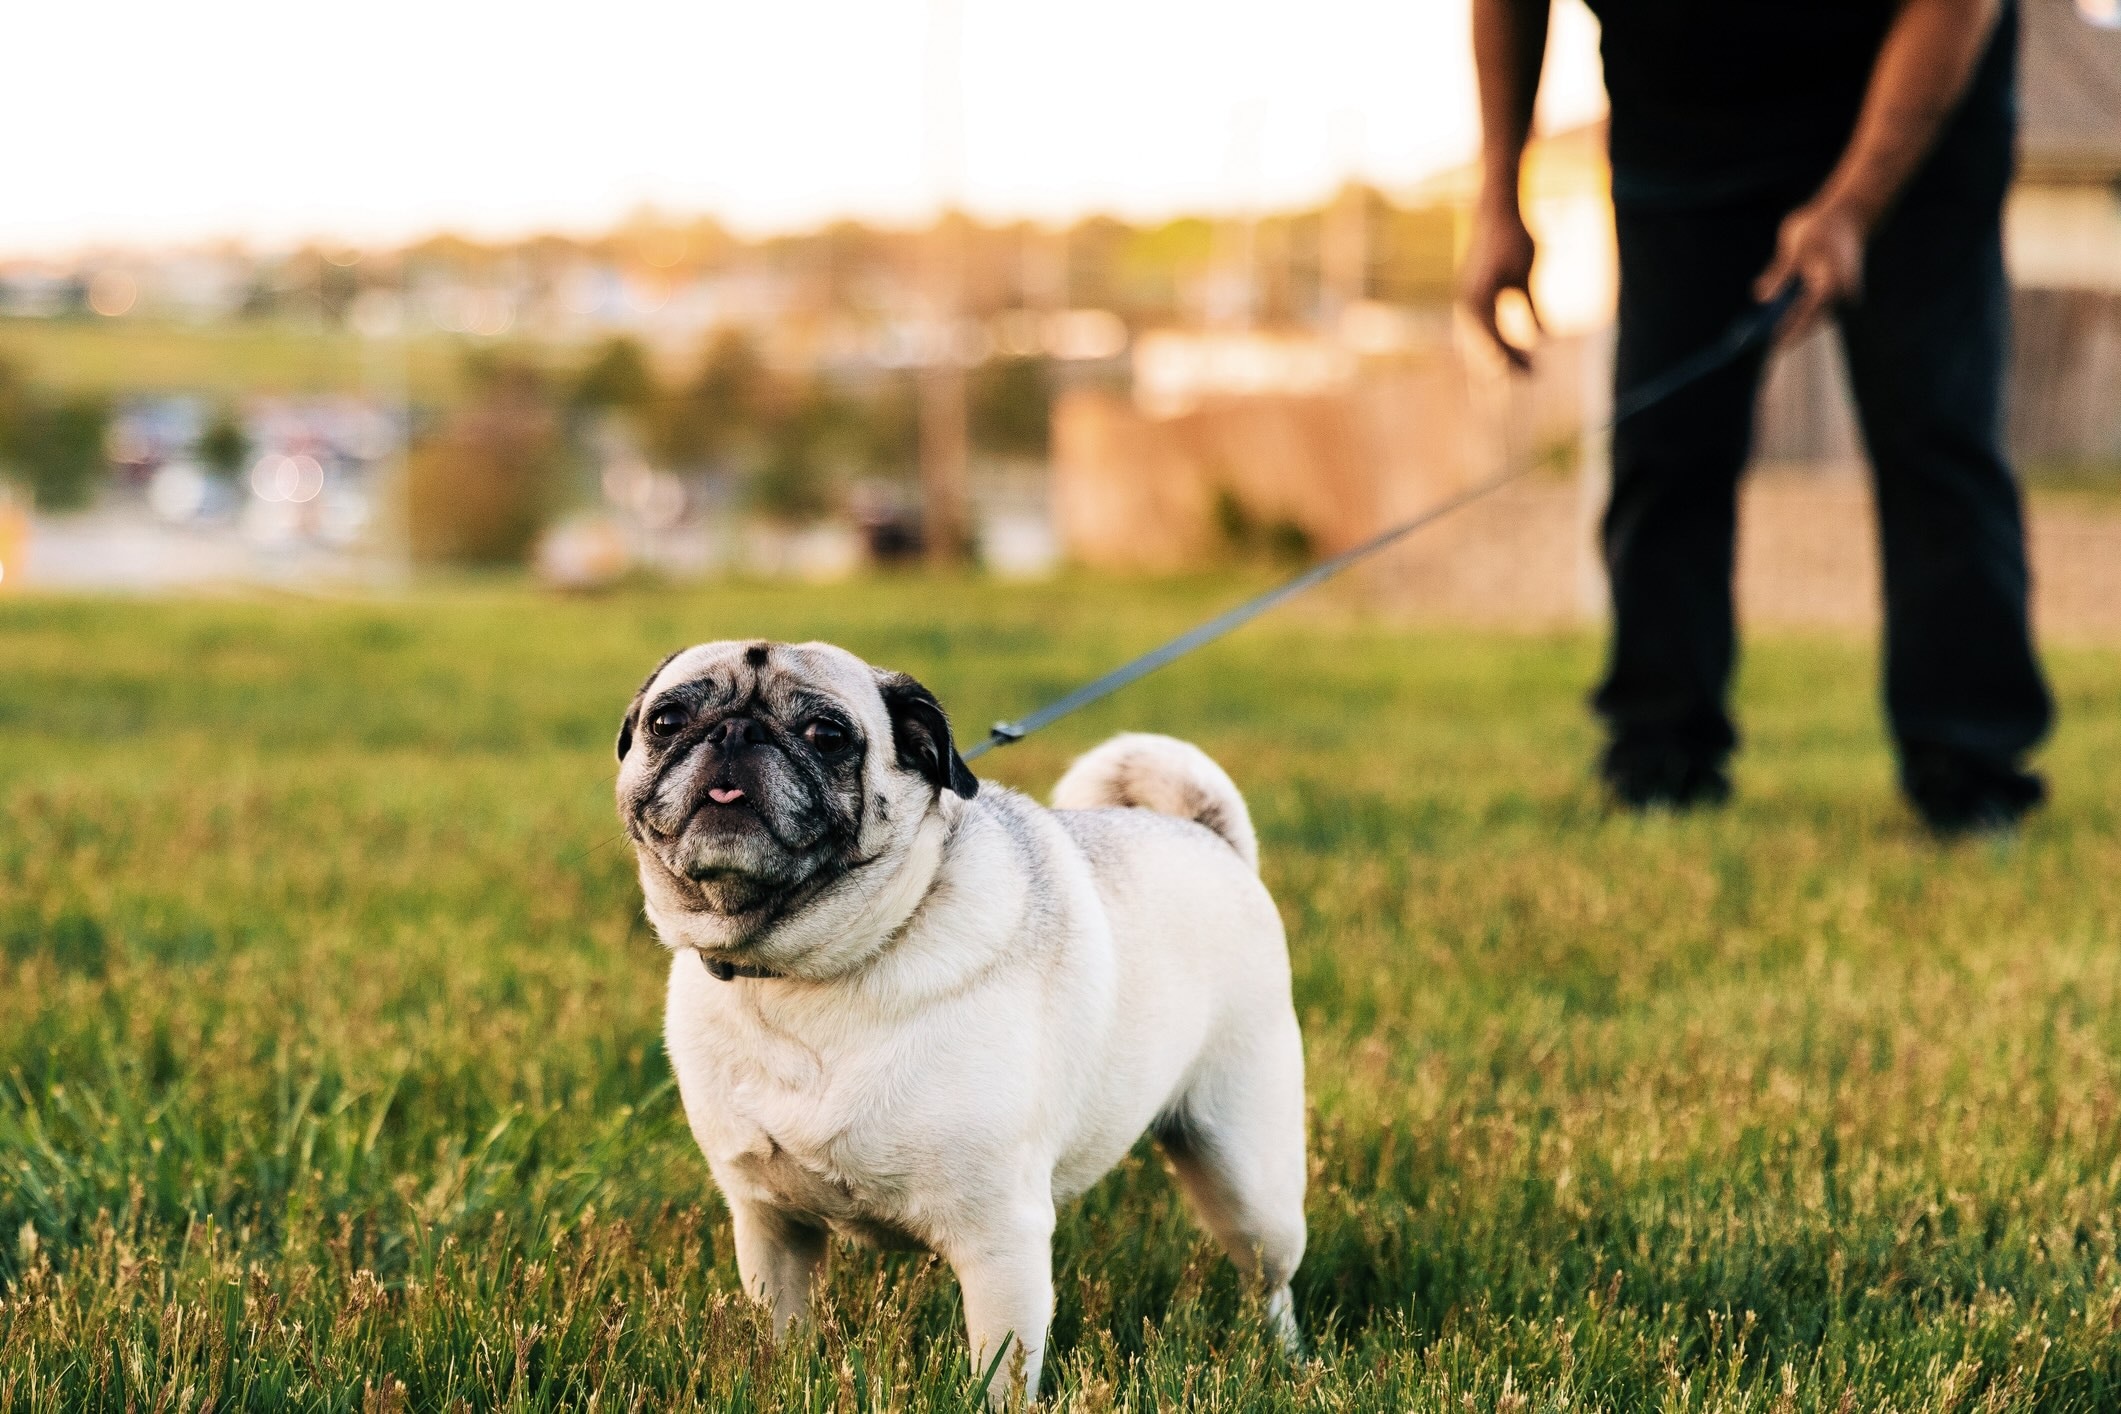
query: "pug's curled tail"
1141, 770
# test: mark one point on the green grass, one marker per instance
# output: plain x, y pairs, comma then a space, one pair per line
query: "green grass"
330, 1074
228, 361
2087, 485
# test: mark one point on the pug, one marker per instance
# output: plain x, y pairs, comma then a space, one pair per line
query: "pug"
916, 1010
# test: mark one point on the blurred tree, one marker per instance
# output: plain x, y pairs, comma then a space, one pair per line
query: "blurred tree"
479, 489
224, 446
890, 430
848, 259
617, 378
808, 448
1415, 254
1156, 264
1011, 406
1278, 540
51, 446
62, 451
724, 407
259, 301
14, 404
1096, 249
337, 286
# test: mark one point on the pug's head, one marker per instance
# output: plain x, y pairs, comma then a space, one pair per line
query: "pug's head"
776, 795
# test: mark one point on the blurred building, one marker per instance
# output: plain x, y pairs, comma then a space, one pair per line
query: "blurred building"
2065, 243
2062, 240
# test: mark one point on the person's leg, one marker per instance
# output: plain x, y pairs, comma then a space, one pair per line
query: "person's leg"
1926, 350
1670, 523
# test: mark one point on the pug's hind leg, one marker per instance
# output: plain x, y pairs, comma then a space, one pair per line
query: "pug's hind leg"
779, 1258
1236, 1141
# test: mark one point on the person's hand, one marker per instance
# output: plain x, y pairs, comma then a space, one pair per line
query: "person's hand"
1821, 246
1499, 259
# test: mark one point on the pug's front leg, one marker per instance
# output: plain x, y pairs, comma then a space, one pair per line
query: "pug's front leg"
1005, 1271
778, 1257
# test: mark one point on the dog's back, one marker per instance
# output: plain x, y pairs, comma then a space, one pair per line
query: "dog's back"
1141, 770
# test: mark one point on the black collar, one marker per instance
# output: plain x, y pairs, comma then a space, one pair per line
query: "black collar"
722, 970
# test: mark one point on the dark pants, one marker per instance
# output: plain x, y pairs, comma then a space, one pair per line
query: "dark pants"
1925, 347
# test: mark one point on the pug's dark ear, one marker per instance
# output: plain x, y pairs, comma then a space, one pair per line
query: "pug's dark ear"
633, 708
920, 731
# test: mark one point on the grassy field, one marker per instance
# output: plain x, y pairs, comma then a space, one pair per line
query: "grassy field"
330, 1075
228, 361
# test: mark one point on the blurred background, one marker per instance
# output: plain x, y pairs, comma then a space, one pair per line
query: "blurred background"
334, 300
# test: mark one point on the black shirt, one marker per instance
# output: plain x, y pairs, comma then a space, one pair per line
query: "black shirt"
1716, 100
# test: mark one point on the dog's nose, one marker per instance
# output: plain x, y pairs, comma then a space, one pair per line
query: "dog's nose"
733, 732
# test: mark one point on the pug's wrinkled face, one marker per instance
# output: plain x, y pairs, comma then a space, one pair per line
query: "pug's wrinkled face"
754, 777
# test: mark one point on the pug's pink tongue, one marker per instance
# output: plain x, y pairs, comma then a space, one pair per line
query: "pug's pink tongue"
724, 797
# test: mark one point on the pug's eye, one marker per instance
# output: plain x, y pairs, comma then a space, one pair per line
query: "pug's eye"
668, 721
828, 738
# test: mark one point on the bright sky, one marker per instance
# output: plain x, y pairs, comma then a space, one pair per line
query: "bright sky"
373, 120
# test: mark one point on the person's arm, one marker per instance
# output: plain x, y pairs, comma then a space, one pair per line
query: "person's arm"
1509, 47
1923, 69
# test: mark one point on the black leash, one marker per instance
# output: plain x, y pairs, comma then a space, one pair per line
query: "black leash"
1755, 326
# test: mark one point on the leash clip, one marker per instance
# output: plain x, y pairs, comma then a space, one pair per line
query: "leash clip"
1006, 733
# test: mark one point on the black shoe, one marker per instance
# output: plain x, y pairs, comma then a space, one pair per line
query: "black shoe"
1662, 777
1958, 793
